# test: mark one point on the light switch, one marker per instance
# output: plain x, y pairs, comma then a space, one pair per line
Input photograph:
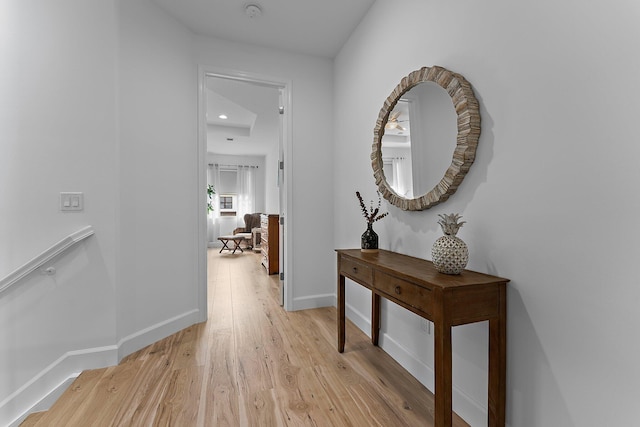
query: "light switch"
71, 202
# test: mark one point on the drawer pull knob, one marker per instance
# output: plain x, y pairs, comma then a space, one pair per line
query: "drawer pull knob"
398, 289
355, 269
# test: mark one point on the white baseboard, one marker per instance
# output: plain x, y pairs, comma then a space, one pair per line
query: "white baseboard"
153, 333
360, 320
471, 411
314, 301
52, 397
42, 390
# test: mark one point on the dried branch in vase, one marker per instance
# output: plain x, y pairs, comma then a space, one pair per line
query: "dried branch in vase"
371, 214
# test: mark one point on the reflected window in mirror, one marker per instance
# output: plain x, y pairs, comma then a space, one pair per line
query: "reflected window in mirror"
396, 149
416, 157
398, 170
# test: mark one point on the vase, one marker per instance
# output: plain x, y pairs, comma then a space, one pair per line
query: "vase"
369, 240
450, 253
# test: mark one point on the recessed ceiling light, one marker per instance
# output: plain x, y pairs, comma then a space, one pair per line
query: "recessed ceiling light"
223, 116
253, 11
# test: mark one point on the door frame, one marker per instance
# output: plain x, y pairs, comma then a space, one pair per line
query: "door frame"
286, 211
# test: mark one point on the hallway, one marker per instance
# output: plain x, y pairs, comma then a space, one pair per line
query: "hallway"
251, 364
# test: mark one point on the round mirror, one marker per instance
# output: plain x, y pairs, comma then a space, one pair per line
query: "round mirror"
424, 143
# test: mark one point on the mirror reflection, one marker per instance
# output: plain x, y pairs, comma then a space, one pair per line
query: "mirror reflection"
424, 160
416, 145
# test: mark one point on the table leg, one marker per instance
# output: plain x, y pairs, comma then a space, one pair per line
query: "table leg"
341, 320
224, 245
442, 371
236, 245
375, 318
498, 365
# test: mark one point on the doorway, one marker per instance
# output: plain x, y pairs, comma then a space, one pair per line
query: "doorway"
241, 140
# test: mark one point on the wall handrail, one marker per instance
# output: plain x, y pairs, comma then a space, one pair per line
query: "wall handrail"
44, 257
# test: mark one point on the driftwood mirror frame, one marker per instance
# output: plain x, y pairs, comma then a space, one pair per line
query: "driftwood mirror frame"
468, 123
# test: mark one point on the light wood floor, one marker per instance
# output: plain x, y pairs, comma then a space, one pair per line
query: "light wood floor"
251, 364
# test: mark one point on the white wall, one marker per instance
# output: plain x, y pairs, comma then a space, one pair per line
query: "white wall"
57, 133
158, 156
550, 201
311, 182
101, 97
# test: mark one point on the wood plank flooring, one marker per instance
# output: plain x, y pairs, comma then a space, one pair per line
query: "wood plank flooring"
251, 364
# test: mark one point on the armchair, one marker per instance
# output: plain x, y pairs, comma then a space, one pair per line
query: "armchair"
251, 227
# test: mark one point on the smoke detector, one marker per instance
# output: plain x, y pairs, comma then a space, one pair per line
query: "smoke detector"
253, 11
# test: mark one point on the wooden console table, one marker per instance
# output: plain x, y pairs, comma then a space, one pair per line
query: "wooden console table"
447, 301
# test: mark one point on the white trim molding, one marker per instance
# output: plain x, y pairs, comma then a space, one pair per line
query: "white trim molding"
154, 333
314, 301
39, 392
45, 387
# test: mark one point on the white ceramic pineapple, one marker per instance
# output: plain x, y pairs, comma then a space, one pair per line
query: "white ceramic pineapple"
449, 253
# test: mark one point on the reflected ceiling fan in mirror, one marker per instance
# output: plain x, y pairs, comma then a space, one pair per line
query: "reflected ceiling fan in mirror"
393, 123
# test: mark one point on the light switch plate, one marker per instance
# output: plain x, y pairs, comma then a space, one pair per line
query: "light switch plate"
71, 202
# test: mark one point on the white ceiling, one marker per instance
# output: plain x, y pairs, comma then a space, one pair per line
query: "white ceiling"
315, 27
310, 27
252, 124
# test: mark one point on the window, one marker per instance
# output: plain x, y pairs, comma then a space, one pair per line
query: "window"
228, 204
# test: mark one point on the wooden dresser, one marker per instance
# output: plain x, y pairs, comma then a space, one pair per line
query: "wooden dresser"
447, 301
269, 242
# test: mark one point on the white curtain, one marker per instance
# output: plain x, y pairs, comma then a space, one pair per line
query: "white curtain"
402, 177
246, 192
213, 178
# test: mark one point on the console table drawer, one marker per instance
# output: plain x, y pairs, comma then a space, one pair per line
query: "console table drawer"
406, 292
356, 271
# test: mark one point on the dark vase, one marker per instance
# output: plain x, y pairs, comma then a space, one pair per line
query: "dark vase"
369, 240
